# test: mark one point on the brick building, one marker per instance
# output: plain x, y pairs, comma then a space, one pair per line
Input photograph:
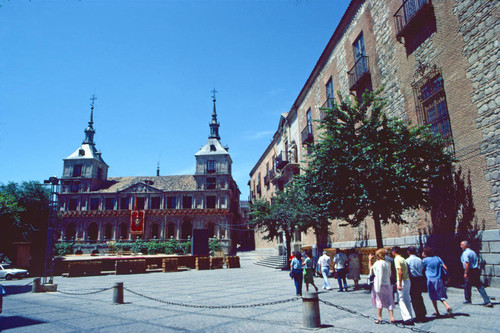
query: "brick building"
96, 208
438, 63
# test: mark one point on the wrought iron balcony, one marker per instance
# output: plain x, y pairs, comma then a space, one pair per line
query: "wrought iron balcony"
359, 73
411, 11
307, 134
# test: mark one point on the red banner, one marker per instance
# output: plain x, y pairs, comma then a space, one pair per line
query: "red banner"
137, 221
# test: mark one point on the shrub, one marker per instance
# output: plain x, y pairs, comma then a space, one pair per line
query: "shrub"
63, 248
214, 245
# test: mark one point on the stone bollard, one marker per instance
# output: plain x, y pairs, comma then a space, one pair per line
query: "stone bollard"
310, 310
36, 285
118, 293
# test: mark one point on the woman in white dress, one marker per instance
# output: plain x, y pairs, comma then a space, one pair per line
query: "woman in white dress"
382, 288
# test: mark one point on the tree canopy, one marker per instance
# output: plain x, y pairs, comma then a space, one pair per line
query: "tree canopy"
287, 213
368, 164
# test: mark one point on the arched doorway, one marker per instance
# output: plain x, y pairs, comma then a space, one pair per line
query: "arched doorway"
70, 232
93, 231
187, 229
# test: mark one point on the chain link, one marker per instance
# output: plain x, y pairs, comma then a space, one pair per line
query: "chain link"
87, 293
213, 306
400, 325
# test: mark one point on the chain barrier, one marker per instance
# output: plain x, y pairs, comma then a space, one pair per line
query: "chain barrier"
86, 293
213, 306
400, 325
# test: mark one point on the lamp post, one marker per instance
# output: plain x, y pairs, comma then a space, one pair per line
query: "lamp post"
48, 271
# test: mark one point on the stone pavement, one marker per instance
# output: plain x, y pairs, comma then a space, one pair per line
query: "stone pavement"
80, 311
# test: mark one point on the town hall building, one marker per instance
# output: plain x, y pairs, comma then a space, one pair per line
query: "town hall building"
96, 209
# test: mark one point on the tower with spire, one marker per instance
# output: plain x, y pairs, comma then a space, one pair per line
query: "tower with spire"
85, 170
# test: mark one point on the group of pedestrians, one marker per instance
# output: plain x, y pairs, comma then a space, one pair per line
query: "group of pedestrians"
302, 271
413, 276
408, 278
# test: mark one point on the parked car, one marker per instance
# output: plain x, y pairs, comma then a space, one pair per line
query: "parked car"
8, 273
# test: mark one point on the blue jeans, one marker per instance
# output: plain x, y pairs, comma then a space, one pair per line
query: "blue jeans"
325, 271
297, 278
341, 274
475, 280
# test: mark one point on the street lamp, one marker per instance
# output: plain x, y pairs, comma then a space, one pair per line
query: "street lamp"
48, 271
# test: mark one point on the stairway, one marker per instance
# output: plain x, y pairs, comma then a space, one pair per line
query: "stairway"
277, 262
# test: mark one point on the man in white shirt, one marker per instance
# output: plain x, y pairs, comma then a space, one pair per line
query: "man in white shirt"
324, 267
340, 265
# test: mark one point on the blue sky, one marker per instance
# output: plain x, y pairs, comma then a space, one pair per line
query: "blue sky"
152, 65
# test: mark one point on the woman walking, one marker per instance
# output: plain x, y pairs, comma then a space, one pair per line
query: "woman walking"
296, 267
435, 284
309, 271
382, 289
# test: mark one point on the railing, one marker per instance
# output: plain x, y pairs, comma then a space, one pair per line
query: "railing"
281, 162
307, 134
358, 71
407, 12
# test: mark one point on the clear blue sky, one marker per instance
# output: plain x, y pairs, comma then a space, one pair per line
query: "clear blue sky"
152, 65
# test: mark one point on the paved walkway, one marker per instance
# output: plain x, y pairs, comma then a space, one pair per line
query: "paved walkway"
157, 311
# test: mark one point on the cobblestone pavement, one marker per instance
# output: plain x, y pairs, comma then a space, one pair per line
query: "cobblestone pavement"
247, 299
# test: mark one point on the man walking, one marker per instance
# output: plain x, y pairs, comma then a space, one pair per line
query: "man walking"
324, 267
472, 275
417, 286
340, 264
403, 286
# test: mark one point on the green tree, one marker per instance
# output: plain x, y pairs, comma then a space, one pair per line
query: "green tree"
287, 214
367, 164
23, 217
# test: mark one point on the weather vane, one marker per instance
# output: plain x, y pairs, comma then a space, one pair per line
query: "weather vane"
93, 98
213, 93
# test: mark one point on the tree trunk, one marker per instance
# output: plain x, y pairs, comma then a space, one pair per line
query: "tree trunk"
288, 242
378, 230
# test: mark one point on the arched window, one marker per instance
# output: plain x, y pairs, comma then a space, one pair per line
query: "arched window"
124, 230
93, 231
155, 231
108, 232
170, 230
187, 229
211, 229
70, 232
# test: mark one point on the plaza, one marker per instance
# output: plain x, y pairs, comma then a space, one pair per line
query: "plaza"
247, 299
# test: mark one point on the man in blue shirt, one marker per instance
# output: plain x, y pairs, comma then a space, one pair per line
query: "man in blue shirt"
417, 279
472, 274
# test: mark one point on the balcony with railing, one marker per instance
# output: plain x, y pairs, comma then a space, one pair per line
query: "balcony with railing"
411, 12
281, 161
307, 134
359, 73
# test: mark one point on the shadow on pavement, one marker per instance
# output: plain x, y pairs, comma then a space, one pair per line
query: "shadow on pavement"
15, 289
17, 321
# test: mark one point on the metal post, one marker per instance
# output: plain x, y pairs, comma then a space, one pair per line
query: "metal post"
310, 310
118, 293
36, 285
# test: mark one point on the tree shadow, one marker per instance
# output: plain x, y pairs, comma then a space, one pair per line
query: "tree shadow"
453, 219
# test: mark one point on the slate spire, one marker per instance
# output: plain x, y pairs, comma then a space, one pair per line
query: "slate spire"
89, 131
214, 125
